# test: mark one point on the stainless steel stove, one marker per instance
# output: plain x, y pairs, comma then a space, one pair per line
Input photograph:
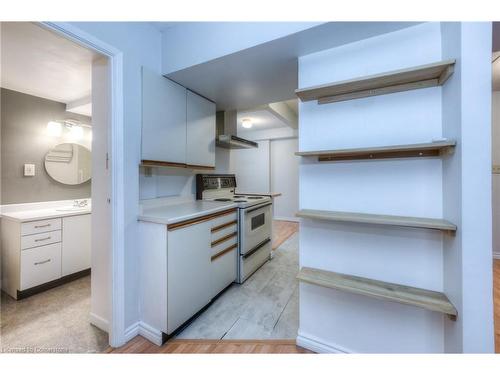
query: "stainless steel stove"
254, 219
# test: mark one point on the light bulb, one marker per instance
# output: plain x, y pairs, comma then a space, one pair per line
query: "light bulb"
54, 129
246, 123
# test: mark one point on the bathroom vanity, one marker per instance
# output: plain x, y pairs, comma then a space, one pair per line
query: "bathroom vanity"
44, 245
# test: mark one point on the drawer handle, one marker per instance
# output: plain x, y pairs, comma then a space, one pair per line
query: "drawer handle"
43, 239
42, 226
42, 262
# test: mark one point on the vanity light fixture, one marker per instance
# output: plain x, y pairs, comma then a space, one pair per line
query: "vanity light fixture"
74, 127
54, 129
246, 123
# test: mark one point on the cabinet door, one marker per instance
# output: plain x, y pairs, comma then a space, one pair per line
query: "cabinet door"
188, 273
200, 131
75, 244
163, 119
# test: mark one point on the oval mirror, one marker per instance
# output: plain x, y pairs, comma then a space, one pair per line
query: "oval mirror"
69, 163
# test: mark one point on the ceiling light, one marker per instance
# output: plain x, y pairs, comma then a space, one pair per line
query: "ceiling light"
54, 129
246, 123
75, 132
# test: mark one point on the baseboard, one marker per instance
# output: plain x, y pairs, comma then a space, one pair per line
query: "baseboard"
144, 330
152, 334
314, 344
99, 322
131, 331
283, 218
496, 255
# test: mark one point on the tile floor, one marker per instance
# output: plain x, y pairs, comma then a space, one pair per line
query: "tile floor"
55, 321
264, 307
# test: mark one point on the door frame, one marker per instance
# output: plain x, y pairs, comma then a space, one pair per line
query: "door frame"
116, 279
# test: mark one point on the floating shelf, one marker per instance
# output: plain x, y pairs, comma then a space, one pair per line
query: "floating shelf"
401, 221
426, 299
385, 152
414, 78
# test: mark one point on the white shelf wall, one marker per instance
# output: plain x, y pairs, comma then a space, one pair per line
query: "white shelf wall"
407, 187
336, 321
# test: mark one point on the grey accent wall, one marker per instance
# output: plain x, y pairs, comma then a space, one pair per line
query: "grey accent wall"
24, 140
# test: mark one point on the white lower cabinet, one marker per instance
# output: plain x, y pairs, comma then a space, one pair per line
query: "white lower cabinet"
184, 266
75, 244
40, 251
188, 274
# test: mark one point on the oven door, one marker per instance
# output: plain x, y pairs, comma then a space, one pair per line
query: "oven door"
256, 226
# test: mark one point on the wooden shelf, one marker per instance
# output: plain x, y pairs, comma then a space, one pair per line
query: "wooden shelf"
166, 164
423, 298
413, 78
385, 152
355, 217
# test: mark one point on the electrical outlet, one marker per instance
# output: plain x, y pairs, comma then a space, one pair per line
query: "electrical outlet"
29, 170
496, 169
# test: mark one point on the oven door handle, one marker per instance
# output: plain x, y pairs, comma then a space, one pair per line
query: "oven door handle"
256, 248
258, 208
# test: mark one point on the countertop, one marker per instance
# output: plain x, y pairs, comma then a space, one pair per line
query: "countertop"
174, 213
44, 213
269, 194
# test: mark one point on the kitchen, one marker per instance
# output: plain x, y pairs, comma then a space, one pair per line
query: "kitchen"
216, 228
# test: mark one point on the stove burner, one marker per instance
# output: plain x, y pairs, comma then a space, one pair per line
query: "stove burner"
222, 200
254, 197
238, 196
239, 200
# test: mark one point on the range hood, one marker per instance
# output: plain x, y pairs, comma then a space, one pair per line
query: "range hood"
227, 126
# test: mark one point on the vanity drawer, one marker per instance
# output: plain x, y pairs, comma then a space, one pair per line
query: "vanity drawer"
40, 265
40, 239
40, 226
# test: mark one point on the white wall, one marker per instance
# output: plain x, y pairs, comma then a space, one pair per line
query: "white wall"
285, 178
496, 177
100, 306
252, 168
457, 188
192, 43
141, 46
410, 187
467, 187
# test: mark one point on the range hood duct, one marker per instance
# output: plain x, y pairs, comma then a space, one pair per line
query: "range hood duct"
227, 126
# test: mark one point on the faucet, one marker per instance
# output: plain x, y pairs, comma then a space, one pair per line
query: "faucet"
80, 203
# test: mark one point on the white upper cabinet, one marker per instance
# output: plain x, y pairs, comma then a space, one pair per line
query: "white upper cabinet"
163, 119
200, 150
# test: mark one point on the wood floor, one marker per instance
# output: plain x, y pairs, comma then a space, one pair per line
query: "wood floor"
178, 346
496, 302
282, 230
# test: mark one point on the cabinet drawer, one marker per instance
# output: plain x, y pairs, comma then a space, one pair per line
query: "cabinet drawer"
221, 220
223, 232
40, 265
223, 271
40, 226
40, 239
223, 245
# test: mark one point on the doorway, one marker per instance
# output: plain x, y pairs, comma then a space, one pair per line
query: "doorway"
72, 312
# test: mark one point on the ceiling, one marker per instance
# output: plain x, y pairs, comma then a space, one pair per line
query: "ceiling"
267, 73
44, 64
264, 118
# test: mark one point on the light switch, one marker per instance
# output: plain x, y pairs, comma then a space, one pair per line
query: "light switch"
29, 170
